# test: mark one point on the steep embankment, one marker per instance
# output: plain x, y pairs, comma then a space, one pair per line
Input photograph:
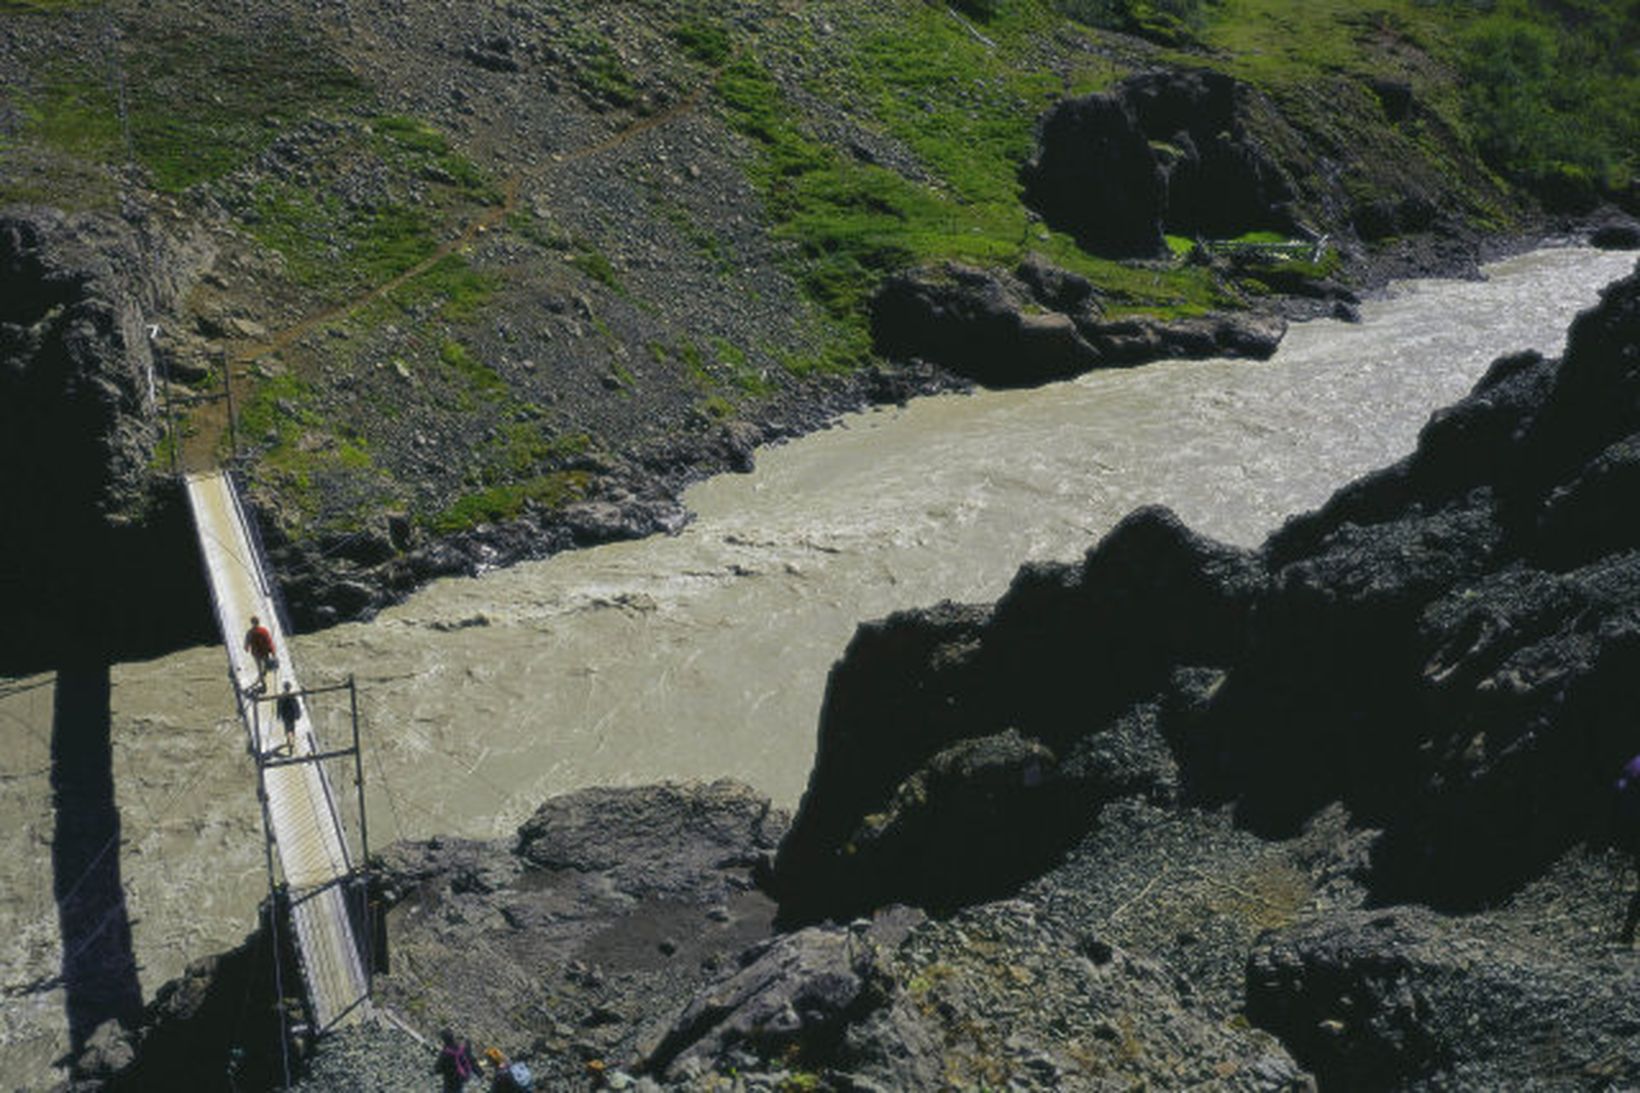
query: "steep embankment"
491, 286
1389, 735
1181, 813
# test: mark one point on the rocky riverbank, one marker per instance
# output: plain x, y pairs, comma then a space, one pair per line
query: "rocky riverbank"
1335, 810
492, 290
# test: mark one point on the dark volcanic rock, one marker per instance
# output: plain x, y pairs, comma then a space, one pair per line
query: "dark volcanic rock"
948, 834
653, 840
75, 386
1141, 340
1404, 999
1095, 176
996, 997
1220, 181
794, 994
581, 938
1529, 682
1423, 690
975, 323
1619, 235
1171, 148
910, 664
1065, 652
1043, 325
78, 424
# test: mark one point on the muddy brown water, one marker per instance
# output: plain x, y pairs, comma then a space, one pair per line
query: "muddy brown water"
704, 655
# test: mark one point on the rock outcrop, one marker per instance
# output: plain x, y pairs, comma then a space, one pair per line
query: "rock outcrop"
78, 424
1390, 999
1041, 323
578, 939
1166, 151
1448, 650
1096, 177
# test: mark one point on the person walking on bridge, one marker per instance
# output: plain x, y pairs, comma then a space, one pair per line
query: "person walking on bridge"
259, 644
289, 709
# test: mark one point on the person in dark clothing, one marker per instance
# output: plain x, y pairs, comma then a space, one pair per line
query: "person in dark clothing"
454, 1064
289, 709
259, 644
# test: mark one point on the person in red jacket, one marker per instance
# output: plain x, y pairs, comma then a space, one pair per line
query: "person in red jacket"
259, 644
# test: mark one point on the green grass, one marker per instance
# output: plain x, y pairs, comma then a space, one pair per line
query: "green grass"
474, 379
29, 7
335, 248
326, 476
968, 114
340, 246
416, 148
1548, 91
598, 69
75, 116
508, 500
452, 286
204, 104
597, 266
703, 39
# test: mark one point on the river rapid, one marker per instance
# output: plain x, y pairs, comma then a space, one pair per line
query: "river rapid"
704, 655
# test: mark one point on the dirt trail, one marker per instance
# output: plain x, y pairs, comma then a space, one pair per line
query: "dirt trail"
205, 424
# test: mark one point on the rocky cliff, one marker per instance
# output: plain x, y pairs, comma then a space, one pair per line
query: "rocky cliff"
1394, 726
1336, 810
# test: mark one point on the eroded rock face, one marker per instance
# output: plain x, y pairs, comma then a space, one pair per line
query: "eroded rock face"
1040, 324
1169, 150
1095, 176
1390, 998
1447, 652
1005, 697
74, 387
78, 425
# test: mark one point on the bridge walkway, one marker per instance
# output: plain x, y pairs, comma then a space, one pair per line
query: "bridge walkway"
300, 807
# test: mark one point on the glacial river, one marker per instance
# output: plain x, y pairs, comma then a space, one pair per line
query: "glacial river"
704, 655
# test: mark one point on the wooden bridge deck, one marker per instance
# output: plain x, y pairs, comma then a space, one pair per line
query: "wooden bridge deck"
301, 809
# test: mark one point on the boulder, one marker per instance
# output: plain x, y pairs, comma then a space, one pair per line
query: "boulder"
1095, 177
1400, 998
655, 840
949, 835
1172, 150
979, 324
791, 996
1617, 235
1220, 180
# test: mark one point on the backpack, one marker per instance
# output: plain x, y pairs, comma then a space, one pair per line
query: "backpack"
464, 1063
521, 1077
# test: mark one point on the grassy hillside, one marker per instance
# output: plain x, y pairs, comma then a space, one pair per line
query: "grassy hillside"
472, 262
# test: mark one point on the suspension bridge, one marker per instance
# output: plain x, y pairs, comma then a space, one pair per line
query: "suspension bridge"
319, 888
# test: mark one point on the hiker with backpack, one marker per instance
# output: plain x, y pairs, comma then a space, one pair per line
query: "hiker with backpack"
509, 1077
259, 644
455, 1062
